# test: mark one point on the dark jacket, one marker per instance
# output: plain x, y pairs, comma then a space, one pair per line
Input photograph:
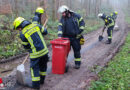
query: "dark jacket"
108, 21
71, 26
32, 39
37, 18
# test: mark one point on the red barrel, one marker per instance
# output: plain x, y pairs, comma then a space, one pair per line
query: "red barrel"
60, 50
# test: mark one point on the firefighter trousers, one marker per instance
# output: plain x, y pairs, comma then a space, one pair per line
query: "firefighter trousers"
75, 43
38, 68
109, 32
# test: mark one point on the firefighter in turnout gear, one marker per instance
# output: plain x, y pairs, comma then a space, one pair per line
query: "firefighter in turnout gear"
114, 15
109, 23
38, 13
71, 25
32, 39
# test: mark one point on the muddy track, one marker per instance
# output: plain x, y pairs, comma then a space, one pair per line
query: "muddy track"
95, 55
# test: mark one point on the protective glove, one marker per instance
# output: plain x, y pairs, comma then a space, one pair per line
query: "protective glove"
82, 40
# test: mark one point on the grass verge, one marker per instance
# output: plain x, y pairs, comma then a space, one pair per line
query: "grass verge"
117, 75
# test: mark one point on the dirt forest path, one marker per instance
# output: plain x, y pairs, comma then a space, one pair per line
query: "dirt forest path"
93, 53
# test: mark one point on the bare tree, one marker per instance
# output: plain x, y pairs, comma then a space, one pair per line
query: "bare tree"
54, 10
86, 6
97, 6
16, 7
128, 3
89, 10
43, 3
58, 3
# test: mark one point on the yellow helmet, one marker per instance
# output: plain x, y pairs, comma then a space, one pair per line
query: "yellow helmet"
40, 10
116, 12
17, 22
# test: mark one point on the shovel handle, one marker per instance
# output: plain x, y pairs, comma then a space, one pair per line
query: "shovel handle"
45, 22
25, 59
103, 30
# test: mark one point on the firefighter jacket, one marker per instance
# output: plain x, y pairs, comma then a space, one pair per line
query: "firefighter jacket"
32, 39
71, 26
109, 21
37, 18
113, 16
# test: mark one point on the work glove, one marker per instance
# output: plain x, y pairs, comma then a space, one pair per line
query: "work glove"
82, 40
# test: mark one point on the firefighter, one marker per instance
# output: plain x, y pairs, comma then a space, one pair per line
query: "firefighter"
38, 13
71, 25
32, 39
114, 15
109, 23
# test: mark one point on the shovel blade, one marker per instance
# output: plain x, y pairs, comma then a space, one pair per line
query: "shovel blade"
20, 74
21, 68
100, 38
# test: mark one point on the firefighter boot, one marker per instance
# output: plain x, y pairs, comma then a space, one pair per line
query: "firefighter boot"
108, 41
29, 84
42, 79
77, 64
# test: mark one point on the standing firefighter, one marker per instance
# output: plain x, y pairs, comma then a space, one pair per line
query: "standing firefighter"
114, 15
71, 26
32, 39
38, 13
109, 23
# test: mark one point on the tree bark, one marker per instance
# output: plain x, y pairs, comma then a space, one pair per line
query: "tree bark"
16, 8
89, 10
54, 10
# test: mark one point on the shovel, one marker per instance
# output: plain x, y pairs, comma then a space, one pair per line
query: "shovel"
20, 74
100, 38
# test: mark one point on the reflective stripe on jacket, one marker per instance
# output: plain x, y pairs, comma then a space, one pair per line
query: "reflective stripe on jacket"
33, 40
109, 21
113, 16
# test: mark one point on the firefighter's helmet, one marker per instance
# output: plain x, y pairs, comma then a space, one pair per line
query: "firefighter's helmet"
116, 12
17, 22
40, 10
63, 8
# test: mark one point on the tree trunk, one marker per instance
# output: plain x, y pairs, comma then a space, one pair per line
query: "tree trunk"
54, 10
70, 4
128, 3
58, 3
108, 3
97, 7
43, 4
89, 10
16, 8
86, 7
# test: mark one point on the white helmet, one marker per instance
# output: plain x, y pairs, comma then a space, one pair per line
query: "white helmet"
63, 8
100, 15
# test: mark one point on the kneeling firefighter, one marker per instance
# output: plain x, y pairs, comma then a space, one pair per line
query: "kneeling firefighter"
71, 25
32, 39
